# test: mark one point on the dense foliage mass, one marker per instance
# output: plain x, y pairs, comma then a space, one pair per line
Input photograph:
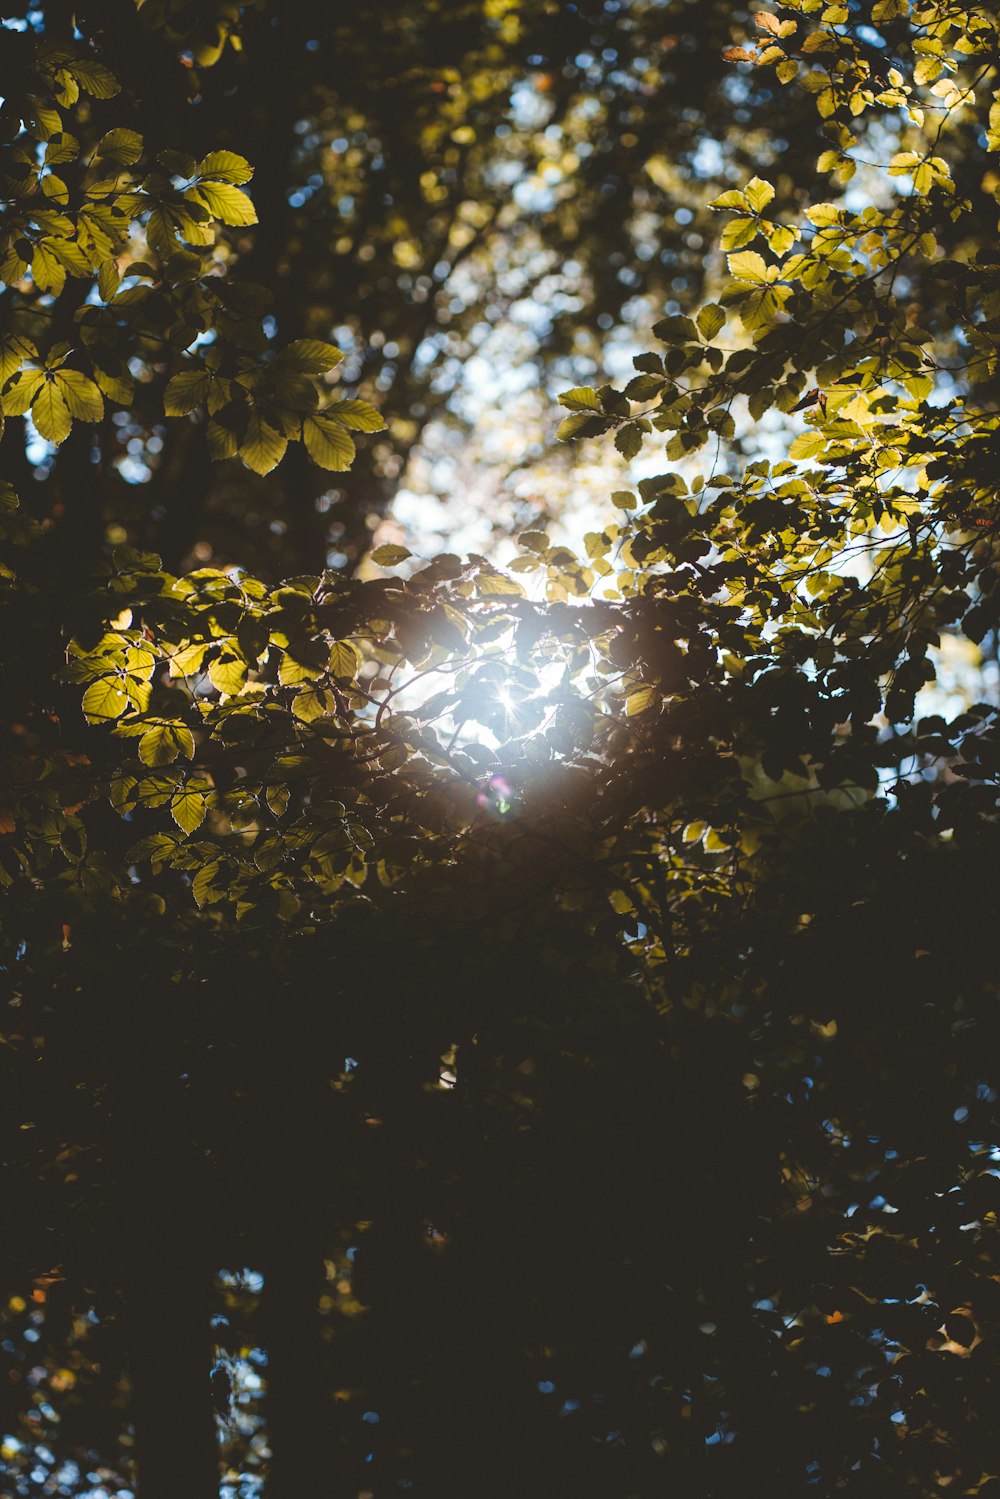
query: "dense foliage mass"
569, 985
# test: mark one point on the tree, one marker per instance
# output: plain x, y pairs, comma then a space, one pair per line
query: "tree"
416, 196
591, 960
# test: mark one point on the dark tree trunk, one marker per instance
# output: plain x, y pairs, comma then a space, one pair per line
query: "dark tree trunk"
297, 1405
296, 1157
167, 1291
168, 1261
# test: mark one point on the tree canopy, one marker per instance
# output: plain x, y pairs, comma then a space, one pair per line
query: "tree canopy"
533, 1012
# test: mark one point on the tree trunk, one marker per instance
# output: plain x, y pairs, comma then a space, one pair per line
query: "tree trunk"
167, 1278
297, 1404
167, 1291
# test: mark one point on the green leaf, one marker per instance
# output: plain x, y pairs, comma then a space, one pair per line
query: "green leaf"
263, 447
108, 279
310, 703
641, 699
344, 660
188, 808
493, 584
203, 886
580, 398
224, 202
676, 330
310, 355
104, 700
226, 165
628, 440
390, 555
50, 413
292, 672
14, 350
580, 424
21, 391
277, 798
711, 319
328, 443
228, 675
185, 391
358, 415
94, 78
162, 744
120, 147
807, 445
81, 396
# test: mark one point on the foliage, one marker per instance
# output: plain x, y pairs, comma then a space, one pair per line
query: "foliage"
489, 184
598, 949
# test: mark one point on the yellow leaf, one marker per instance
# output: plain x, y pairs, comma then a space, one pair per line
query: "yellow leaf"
344, 660
328, 443
81, 395
161, 744
104, 700
263, 447
747, 265
51, 414
228, 675
224, 202
188, 808
641, 699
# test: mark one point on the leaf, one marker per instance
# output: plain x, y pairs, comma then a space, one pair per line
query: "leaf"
358, 415
311, 703
122, 147
807, 445
733, 198
580, 424
263, 447
644, 387
344, 660
676, 330
94, 78
310, 355
641, 699
203, 885
187, 659
328, 443
14, 350
185, 391
580, 398
108, 279
226, 165
711, 319
758, 192
277, 799
292, 672
81, 396
104, 700
162, 744
224, 202
493, 584
747, 265
628, 440
390, 555
50, 413
188, 808
228, 675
